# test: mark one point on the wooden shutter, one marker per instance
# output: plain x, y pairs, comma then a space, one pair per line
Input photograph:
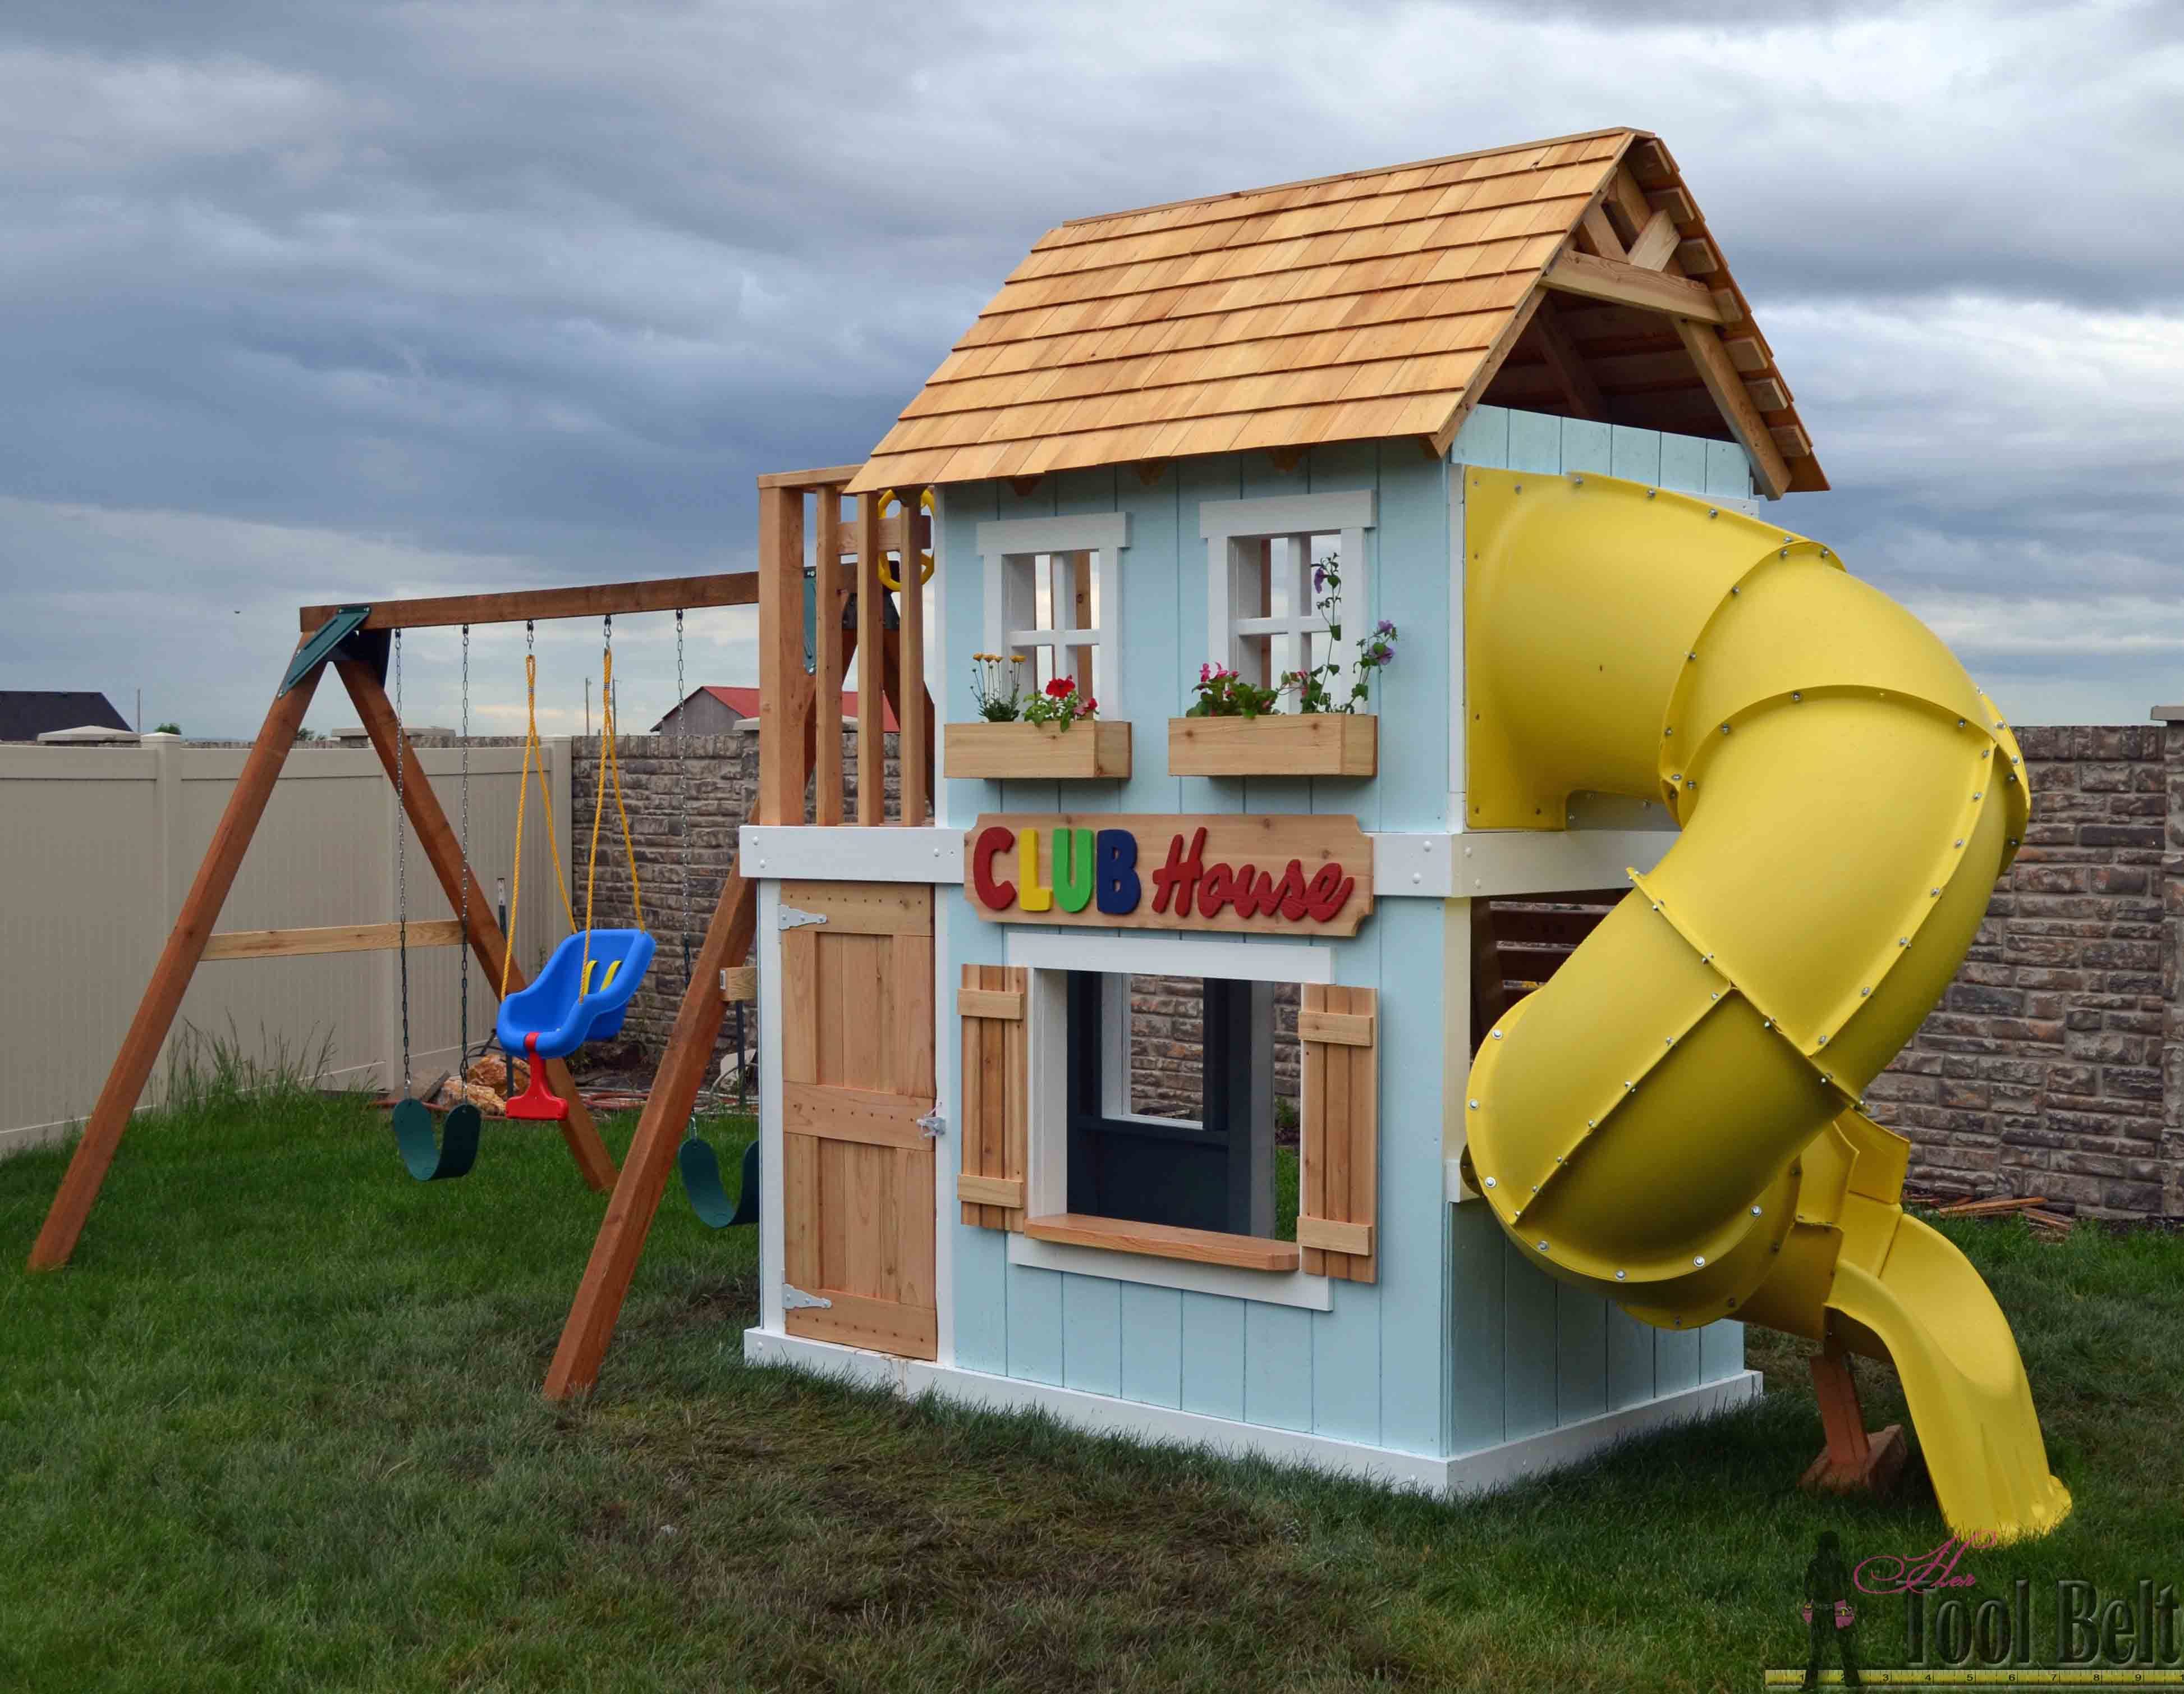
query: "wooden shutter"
996, 1096
1337, 1205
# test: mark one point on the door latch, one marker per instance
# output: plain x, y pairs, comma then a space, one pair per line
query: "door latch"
791, 918
794, 1299
934, 1123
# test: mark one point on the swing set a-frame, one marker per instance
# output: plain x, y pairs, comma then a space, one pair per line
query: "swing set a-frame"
863, 611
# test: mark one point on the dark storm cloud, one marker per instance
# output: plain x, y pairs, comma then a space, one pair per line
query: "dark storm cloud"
304, 300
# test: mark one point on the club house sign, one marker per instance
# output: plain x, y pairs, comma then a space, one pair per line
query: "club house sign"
1271, 875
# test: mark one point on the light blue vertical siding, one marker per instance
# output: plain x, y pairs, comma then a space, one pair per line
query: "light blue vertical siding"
1155, 568
1278, 1365
1683, 464
1213, 1355
1587, 446
1721, 1350
1462, 1343
1034, 1324
1635, 454
1478, 1281
1728, 470
1152, 1345
1092, 1334
1530, 1352
1412, 585
1629, 1360
1676, 1360
1580, 1354
1196, 481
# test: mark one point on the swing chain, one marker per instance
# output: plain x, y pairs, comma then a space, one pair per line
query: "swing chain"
463, 1014
682, 735
401, 857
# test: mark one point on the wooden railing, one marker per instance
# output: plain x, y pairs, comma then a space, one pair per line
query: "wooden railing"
797, 708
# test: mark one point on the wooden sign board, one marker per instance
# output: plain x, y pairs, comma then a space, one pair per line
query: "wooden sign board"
1283, 875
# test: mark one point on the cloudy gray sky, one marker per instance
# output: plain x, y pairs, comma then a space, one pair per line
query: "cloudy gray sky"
305, 299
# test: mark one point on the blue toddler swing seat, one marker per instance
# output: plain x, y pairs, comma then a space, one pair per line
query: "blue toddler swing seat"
572, 1002
584, 992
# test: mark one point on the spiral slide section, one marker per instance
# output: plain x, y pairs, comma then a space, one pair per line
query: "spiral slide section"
1673, 1120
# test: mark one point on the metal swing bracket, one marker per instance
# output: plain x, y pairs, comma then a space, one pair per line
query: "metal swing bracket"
342, 636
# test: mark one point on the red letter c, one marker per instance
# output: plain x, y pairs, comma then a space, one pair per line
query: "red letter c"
992, 840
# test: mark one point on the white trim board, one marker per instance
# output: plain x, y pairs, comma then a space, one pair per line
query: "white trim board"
1269, 1288
1475, 1472
1254, 961
1424, 865
850, 853
1101, 532
1287, 515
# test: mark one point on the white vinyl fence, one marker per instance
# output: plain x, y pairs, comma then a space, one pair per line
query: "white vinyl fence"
99, 844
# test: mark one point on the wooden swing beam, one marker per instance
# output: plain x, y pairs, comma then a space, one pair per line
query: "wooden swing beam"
890, 665
188, 943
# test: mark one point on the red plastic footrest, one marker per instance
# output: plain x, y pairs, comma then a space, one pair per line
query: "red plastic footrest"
536, 1101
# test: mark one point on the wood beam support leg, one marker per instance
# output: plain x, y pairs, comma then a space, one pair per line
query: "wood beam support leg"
636, 1201
1853, 1462
437, 840
171, 979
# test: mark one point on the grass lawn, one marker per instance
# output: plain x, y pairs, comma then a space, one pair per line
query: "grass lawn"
278, 1427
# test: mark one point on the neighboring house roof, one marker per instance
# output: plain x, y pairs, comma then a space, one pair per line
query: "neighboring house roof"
25, 714
1378, 304
744, 702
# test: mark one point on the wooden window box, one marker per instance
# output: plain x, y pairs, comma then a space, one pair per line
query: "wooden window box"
1038, 751
1327, 744
1165, 1241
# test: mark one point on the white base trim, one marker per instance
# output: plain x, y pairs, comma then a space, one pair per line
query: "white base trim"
1272, 1288
1103, 1414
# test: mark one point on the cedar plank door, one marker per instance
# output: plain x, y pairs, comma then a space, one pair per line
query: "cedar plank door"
857, 1171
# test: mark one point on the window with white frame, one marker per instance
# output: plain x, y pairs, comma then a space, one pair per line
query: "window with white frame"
1272, 567
1051, 600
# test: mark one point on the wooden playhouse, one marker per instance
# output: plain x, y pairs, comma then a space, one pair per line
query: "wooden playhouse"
1136, 458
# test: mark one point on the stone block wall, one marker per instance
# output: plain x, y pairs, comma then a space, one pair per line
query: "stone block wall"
2041, 1071
686, 796
2054, 1064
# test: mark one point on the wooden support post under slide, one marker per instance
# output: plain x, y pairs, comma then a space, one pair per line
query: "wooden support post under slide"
170, 977
683, 1068
439, 844
1852, 1461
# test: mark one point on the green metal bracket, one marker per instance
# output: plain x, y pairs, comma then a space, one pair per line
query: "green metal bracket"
322, 646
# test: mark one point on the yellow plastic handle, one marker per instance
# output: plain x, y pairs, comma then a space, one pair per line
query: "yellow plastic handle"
925, 559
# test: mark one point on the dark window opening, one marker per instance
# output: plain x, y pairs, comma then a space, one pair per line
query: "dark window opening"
1201, 1152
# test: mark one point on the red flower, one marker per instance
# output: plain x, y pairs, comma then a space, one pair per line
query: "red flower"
1060, 686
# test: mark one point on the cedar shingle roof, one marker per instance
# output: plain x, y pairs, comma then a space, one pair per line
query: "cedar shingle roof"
1382, 303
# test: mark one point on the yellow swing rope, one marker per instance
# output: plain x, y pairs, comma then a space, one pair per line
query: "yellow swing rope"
531, 743
610, 771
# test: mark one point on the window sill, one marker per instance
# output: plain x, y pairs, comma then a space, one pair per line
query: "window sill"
1166, 1241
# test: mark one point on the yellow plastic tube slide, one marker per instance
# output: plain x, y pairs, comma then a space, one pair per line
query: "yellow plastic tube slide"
1673, 1120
